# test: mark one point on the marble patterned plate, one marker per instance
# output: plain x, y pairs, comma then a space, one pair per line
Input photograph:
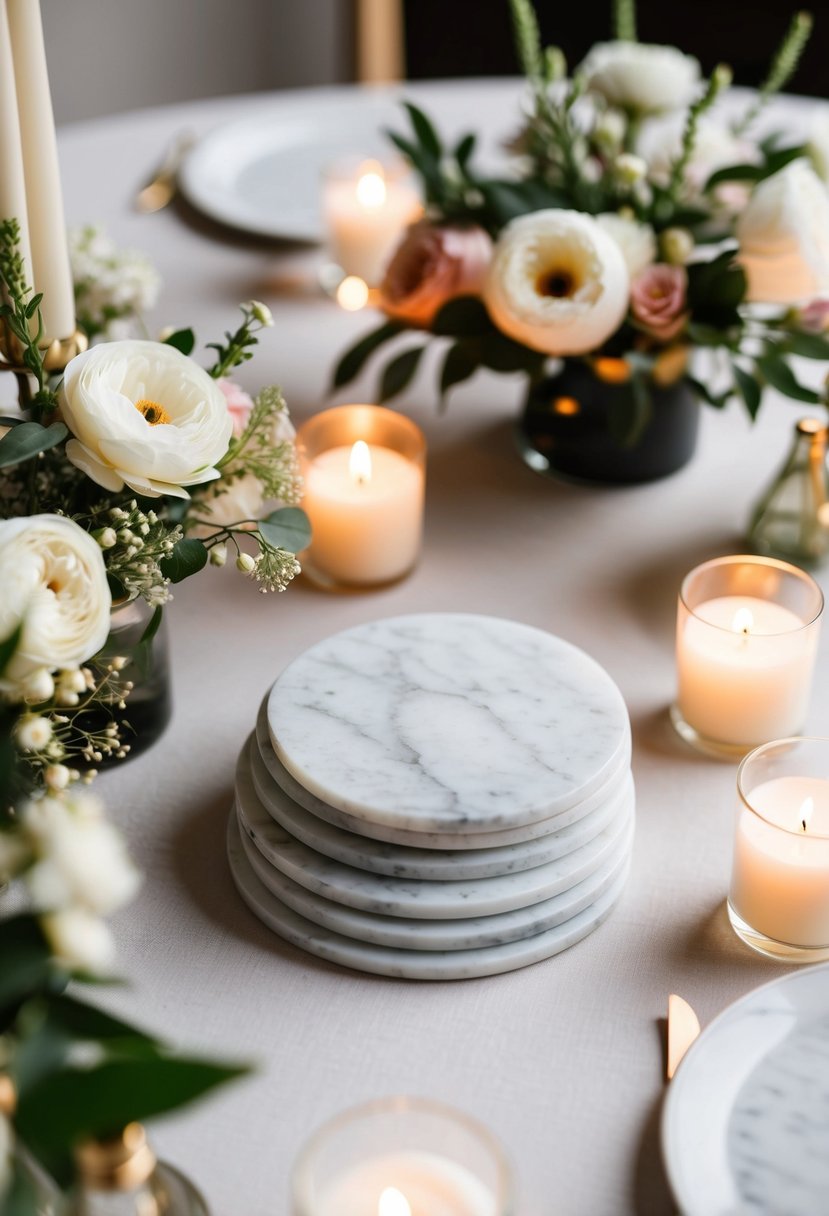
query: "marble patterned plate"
403, 861
427, 899
448, 722
409, 964
445, 839
745, 1126
406, 934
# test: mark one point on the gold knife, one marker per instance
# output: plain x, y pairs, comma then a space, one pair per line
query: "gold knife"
683, 1029
162, 186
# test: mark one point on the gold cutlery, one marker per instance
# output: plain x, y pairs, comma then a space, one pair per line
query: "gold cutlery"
163, 185
683, 1029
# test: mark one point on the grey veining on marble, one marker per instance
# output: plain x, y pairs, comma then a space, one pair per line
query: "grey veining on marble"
429, 899
448, 721
445, 839
778, 1132
472, 933
403, 861
408, 964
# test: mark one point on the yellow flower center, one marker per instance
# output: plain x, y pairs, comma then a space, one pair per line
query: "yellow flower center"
153, 413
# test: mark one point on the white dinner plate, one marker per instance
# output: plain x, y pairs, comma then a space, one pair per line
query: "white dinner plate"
745, 1126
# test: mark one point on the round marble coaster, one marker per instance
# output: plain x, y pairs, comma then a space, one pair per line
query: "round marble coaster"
429, 900
471, 934
448, 722
408, 964
443, 840
403, 861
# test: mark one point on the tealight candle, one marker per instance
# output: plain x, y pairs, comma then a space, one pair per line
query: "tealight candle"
747, 633
402, 1157
363, 469
779, 896
366, 208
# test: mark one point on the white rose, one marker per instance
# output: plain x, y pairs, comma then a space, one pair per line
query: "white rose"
783, 235
557, 283
53, 579
636, 241
144, 415
643, 78
79, 940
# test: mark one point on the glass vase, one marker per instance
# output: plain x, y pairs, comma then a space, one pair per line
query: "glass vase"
791, 520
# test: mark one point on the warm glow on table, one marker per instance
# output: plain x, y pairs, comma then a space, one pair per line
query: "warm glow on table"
407, 1184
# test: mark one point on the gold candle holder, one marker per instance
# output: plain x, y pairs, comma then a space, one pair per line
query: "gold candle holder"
56, 355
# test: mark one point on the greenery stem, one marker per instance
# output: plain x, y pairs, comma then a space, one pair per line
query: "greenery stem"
720, 79
624, 20
783, 67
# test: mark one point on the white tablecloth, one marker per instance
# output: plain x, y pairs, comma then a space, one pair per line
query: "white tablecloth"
562, 1060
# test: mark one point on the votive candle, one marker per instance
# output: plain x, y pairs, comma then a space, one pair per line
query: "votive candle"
367, 207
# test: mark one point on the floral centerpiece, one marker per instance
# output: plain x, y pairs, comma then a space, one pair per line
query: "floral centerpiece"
637, 229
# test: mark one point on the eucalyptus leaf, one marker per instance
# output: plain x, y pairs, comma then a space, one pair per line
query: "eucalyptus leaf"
398, 374
353, 361
289, 528
780, 376
26, 440
188, 557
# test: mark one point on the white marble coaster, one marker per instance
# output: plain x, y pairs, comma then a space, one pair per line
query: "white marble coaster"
443, 840
430, 900
404, 934
448, 722
403, 861
408, 964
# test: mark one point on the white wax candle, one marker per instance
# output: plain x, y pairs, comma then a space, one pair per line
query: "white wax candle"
780, 877
745, 669
366, 216
366, 529
44, 197
12, 183
429, 1184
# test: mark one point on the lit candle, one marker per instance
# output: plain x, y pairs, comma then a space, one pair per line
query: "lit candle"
747, 632
12, 187
366, 211
425, 1184
44, 198
364, 497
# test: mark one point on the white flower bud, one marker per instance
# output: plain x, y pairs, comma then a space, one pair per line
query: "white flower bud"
56, 776
609, 130
245, 563
261, 312
33, 733
630, 169
218, 554
106, 537
39, 686
118, 663
677, 245
72, 680
80, 939
67, 699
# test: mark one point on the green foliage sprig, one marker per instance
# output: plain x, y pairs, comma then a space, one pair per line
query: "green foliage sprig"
238, 346
624, 20
782, 69
20, 309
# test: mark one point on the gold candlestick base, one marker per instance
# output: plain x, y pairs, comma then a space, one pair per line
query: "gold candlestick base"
56, 354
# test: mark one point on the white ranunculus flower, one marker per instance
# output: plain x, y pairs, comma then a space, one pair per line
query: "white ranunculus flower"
53, 579
80, 940
636, 241
641, 77
783, 235
557, 282
144, 415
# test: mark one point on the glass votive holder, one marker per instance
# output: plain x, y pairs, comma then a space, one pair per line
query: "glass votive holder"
746, 641
402, 1157
367, 206
778, 902
364, 473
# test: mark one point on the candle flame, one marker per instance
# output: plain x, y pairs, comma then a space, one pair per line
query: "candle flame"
371, 185
806, 812
352, 293
393, 1203
743, 621
359, 462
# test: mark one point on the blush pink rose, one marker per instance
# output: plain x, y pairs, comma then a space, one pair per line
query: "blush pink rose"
814, 317
658, 300
432, 265
239, 404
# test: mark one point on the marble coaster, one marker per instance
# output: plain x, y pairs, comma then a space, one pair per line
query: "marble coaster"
408, 964
403, 861
444, 840
448, 722
470, 934
429, 900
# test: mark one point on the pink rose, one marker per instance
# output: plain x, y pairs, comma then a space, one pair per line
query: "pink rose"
658, 298
239, 404
432, 265
814, 317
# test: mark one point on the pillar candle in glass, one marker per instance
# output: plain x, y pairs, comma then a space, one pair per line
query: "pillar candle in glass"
402, 1157
363, 469
367, 206
778, 902
747, 634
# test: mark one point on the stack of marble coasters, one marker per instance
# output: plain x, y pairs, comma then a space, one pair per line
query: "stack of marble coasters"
437, 796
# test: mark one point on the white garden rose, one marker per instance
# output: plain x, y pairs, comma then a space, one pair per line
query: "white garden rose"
783, 235
636, 241
144, 415
557, 283
641, 77
80, 940
53, 579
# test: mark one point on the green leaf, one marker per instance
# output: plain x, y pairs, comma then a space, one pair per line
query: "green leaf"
750, 391
188, 557
734, 173
463, 317
353, 361
27, 440
720, 283
22, 1197
717, 400
501, 354
288, 528
183, 340
809, 346
27, 962
397, 374
8, 646
4, 421
464, 149
630, 414
780, 376
426, 134
459, 365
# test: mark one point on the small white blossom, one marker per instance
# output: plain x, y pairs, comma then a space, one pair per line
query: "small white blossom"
39, 686
33, 732
80, 940
56, 776
245, 563
630, 169
218, 554
261, 312
71, 680
106, 537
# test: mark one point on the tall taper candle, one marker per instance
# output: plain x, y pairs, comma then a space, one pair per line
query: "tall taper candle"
47, 226
12, 187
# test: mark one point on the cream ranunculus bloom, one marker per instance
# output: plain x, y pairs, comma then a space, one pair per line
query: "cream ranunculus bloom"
783, 235
144, 415
636, 241
641, 77
53, 579
557, 283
